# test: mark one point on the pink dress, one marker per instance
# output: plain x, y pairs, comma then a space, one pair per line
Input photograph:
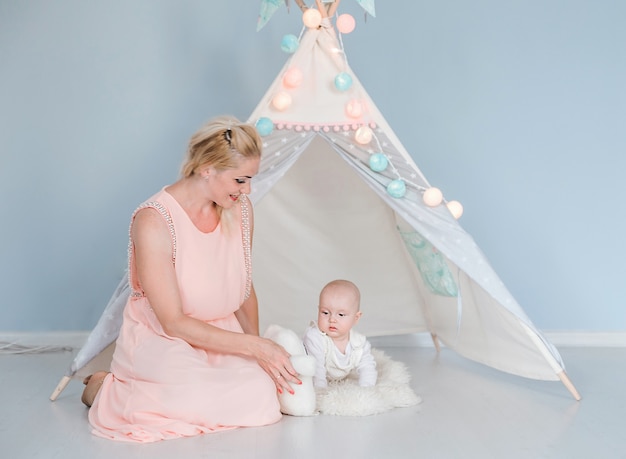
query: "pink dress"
160, 387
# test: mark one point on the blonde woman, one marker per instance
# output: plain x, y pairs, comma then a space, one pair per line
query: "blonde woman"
189, 359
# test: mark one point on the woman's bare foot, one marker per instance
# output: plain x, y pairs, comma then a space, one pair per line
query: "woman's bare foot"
92, 386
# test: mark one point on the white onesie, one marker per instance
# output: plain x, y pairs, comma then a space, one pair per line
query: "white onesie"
332, 364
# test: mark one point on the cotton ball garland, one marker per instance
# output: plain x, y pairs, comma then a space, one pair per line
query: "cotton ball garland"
281, 101
312, 18
432, 197
264, 126
289, 43
363, 135
345, 23
396, 188
455, 208
343, 81
378, 162
293, 77
354, 108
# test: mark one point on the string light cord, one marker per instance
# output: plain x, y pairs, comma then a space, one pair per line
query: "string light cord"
7, 348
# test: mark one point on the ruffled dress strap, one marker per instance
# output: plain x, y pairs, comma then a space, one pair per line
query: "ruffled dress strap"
247, 242
136, 291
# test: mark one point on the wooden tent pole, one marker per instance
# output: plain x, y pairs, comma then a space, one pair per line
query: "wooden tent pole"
556, 366
435, 342
320, 7
570, 387
333, 8
62, 385
302, 5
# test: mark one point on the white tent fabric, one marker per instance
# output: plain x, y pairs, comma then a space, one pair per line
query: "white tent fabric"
321, 213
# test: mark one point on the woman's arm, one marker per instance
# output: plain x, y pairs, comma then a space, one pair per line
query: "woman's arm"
248, 314
156, 274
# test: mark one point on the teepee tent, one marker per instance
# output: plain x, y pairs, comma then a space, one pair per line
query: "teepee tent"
338, 196
324, 211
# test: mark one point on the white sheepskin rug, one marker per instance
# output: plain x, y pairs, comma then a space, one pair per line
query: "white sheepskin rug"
347, 398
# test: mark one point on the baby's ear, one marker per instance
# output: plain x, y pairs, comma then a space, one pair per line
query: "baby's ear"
358, 315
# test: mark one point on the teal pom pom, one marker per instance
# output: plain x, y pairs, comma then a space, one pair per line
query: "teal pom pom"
378, 162
264, 126
343, 81
289, 43
396, 188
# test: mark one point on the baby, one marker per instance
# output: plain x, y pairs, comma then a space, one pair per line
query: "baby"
337, 348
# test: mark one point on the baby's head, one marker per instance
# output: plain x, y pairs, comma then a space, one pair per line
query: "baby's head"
339, 308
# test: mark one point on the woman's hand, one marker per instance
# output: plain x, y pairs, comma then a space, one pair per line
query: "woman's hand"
274, 359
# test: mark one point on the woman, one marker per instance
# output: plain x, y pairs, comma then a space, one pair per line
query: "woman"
189, 358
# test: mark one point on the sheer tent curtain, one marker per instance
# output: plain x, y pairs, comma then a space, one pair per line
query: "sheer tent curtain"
100, 342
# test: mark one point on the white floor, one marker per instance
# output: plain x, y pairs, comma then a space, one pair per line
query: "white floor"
469, 411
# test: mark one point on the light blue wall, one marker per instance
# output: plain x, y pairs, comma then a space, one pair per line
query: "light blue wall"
516, 108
